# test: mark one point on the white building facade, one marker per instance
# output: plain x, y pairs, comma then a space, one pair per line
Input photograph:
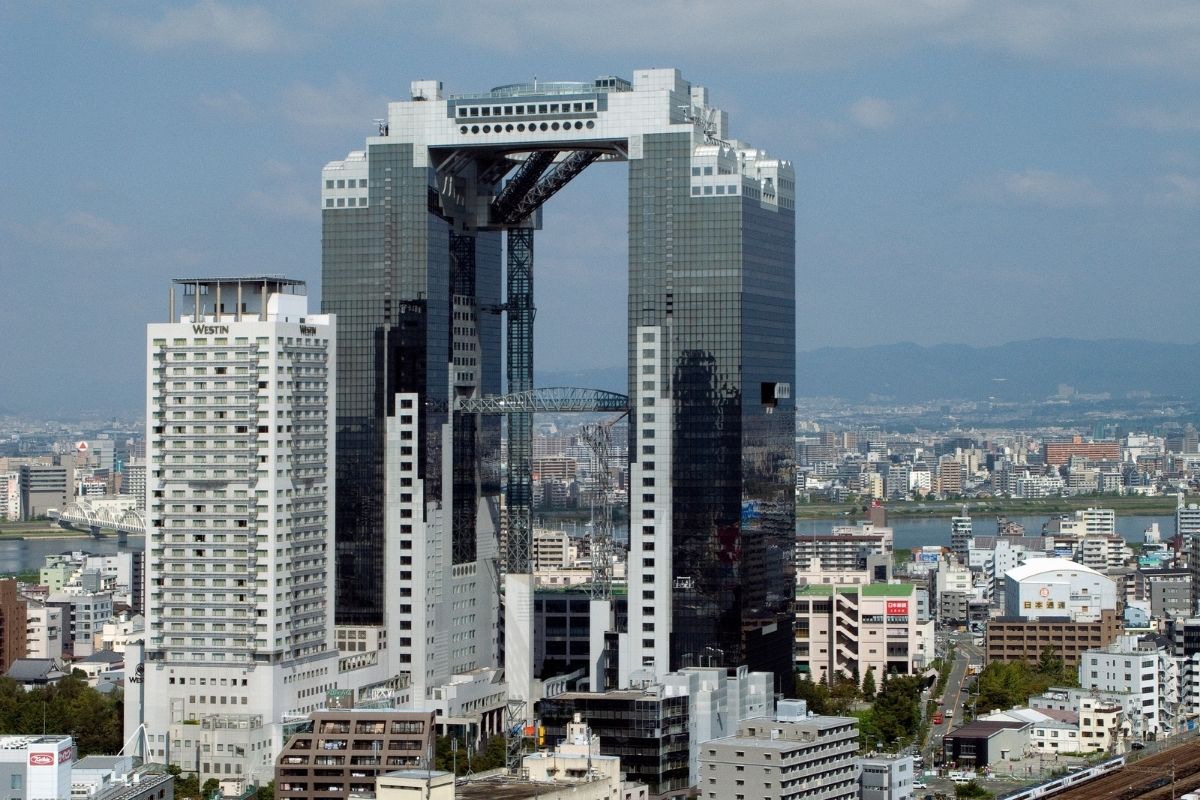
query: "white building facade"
1056, 587
239, 615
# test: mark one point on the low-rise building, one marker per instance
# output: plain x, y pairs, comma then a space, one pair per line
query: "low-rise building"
43, 631
340, 752
813, 758
37, 766
1095, 710
1021, 639
886, 778
983, 743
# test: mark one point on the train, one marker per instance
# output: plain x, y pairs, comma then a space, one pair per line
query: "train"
1069, 781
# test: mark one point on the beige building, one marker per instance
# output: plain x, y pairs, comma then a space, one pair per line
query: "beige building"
853, 630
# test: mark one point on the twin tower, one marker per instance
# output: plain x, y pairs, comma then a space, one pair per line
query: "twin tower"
428, 265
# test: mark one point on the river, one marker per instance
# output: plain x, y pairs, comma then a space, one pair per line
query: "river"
910, 532
19, 555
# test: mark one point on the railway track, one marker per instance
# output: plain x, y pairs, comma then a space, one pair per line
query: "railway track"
1149, 778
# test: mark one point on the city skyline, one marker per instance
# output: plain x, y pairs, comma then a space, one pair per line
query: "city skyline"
968, 165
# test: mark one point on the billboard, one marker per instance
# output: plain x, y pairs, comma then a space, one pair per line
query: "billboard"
897, 608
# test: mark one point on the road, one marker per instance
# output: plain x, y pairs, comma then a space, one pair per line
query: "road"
965, 652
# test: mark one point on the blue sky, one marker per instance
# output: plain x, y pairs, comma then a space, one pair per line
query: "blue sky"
967, 171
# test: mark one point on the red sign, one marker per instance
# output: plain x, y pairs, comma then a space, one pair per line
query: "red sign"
897, 608
41, 759
66, 755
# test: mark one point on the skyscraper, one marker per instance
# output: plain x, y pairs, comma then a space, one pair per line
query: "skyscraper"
239, 515
412, 268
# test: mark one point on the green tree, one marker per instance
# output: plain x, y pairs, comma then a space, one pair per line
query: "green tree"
971, 791
868, 685
186, 786
211, 787
93, 719
897, 710
842, 694
816, 695
266, 792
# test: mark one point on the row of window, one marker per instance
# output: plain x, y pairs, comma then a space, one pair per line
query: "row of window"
533, 126
348, 183
345, 202
579, 107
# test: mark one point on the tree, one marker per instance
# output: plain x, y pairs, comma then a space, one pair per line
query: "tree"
842, 694
815, 695
93, 719
266, 792
971, 791
211, 787
868, 685
897, 710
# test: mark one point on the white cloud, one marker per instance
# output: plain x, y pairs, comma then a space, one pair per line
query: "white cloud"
282, 194
76, 230
824, 33
1162, 120
230, 104
1046, 188
343, 105
873, 113
240, 28
1176, 189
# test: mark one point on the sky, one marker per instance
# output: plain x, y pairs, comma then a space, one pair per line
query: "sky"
967, 171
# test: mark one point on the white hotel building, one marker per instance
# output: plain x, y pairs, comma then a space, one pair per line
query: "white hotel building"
239, 611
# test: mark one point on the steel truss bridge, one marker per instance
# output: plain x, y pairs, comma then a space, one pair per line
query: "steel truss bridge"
82, 514
557, 399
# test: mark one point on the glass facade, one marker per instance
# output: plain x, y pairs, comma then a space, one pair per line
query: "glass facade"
387, 273
648, 733
718, 275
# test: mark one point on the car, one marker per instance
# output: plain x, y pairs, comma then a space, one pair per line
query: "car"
1138, 745
920, 785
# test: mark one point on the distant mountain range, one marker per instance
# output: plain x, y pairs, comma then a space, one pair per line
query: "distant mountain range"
1024, 370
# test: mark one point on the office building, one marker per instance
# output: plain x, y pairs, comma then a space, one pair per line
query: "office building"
239, 517
647, 729
886, 778
37, 766
844, 631
412, 237
1124, 667
45, 486
659, 730
1056, 587
960, 535
813, 758
339, 752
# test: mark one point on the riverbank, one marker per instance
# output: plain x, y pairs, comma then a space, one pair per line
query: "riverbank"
1124, 506
41, 529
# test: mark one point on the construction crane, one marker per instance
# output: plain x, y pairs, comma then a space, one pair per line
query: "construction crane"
598, 438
